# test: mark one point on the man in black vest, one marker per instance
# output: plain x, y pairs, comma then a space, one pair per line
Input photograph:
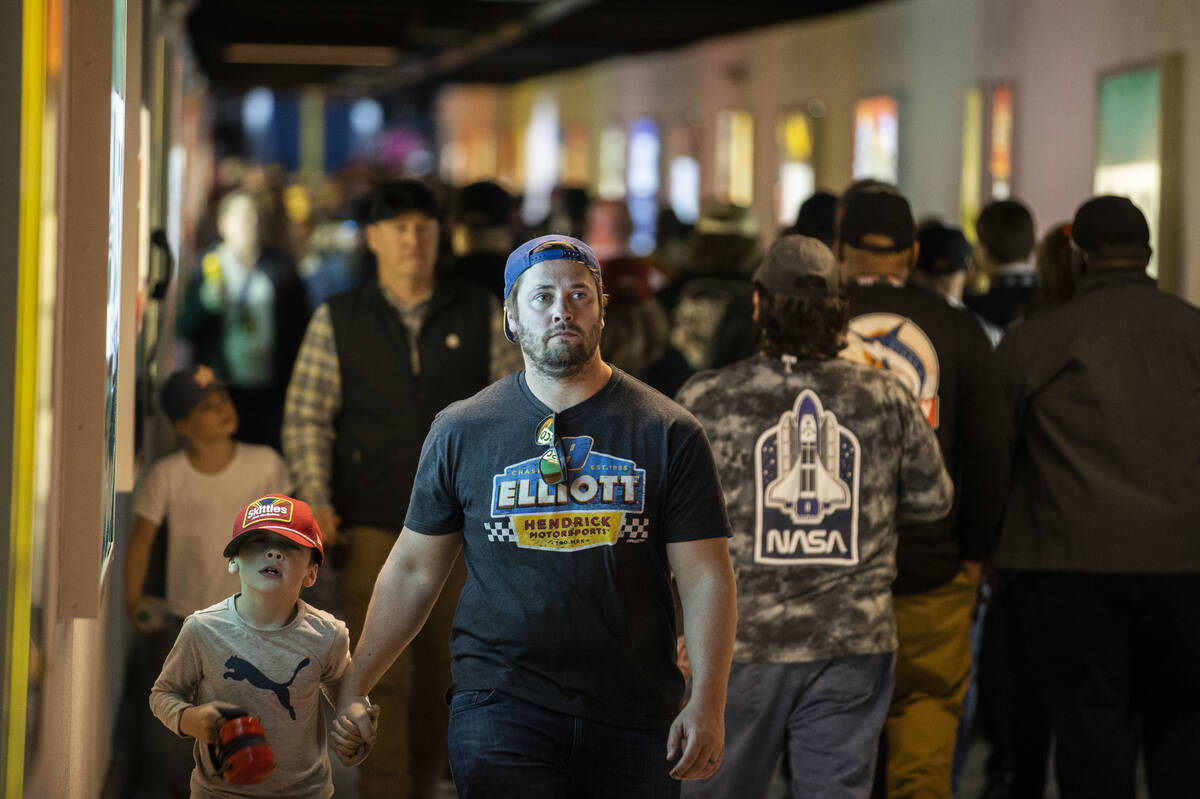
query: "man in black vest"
943, 357
376, 365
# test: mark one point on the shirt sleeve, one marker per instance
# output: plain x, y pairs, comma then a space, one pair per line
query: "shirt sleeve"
505, 356
336, 664
151, 496
694, 506
926, 492
314, 399
434, 508
175, 689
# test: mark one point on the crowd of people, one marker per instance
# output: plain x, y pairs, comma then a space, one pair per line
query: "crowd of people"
911, 491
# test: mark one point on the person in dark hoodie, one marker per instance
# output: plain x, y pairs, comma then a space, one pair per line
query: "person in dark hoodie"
943, 357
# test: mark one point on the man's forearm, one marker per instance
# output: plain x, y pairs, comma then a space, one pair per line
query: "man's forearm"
405, 592
709, 627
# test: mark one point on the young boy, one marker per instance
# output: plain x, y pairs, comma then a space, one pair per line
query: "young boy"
264, 650
196, 491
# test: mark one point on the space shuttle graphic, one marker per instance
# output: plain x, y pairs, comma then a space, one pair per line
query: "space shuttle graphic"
808, 487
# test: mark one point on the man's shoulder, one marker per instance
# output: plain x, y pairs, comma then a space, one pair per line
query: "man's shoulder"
491, 403
947, 327
170, 464
344, 300
631, 395
258, 454
461, 290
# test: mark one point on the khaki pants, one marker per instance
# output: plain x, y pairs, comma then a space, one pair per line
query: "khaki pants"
410, 753
933, 669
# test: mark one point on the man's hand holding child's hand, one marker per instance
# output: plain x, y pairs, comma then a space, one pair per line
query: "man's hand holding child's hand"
350, 741
204, 722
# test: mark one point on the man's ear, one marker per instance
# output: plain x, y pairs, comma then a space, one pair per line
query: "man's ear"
310, 577
369, 237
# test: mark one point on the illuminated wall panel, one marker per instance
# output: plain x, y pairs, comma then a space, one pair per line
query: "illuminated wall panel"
733, 178
797, 177
971, 188
541, 162
877, 138
1001, 143
643, 184
611, 185
575, 154
1137, 153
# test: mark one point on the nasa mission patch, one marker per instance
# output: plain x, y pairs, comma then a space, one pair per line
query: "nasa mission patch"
597, 505
896, 344
806, 491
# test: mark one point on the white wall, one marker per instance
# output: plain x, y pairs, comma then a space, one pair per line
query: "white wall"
929, 52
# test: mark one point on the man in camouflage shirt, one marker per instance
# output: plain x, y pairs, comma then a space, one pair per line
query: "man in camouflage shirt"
818, 459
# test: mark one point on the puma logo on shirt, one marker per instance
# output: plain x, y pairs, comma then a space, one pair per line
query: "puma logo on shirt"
240, 669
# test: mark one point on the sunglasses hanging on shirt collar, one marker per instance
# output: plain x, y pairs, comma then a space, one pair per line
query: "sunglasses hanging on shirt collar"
552, 466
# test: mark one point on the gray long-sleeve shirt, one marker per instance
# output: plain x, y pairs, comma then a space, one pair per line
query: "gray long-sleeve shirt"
276, 675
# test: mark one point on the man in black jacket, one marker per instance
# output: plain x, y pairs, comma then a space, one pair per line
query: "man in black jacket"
943, 357
376, 365
1101, 533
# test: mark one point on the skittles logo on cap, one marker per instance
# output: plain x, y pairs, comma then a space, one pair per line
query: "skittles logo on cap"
276, 509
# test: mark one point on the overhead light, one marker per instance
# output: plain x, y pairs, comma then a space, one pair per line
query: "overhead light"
325, 55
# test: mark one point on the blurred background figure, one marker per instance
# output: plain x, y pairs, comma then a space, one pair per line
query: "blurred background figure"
672, 235
709, 304
1007, 282
568, 211
635, 329
332, 261
481, 235
817, 218
1054, 264
944, 266
244, 312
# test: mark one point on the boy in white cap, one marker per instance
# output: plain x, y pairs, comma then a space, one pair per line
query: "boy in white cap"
265, 652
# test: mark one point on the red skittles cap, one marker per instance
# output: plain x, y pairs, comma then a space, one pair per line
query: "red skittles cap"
275, 513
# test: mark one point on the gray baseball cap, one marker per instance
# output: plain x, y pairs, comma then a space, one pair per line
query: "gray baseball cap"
794, 257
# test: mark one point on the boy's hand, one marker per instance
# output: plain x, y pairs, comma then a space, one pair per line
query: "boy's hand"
348, 742
204, 722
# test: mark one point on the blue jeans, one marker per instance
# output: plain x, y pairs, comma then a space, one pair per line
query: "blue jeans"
825, 716
502, 747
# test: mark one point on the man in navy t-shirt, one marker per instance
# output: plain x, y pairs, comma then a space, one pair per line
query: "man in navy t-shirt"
574, 492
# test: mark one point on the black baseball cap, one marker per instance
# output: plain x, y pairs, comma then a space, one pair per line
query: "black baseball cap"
944, 249
792, 258
877, 220
186, 389
396, 197
484, 204
1111, 226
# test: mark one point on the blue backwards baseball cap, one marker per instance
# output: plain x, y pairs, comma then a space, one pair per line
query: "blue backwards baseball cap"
563, 248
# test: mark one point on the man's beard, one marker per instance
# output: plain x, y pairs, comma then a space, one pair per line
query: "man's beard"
558, 358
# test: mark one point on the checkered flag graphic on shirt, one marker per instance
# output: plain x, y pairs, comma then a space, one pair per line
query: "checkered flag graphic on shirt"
500, 531
634, 529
